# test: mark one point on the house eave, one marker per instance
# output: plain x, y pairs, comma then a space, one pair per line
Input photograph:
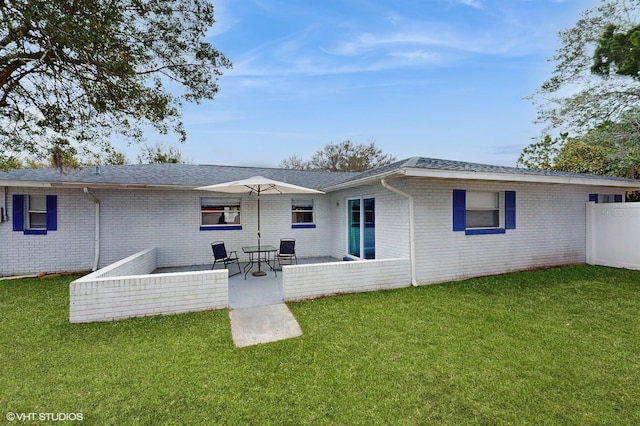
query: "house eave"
94, 185
525, 178
363, 181
488, 176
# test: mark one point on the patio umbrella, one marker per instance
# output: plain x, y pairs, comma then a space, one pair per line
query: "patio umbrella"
259, 185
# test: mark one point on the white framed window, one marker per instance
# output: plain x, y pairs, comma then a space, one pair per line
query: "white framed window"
483, 212
483, 209
35, 214
302, 211
36, 217
608, 198
219, 211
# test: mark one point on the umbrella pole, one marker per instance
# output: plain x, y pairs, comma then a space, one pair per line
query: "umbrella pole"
259, 273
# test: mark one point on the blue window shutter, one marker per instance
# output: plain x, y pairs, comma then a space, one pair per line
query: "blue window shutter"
52, 213
510, 209
617, 198
459, 209
593, 197
18, 212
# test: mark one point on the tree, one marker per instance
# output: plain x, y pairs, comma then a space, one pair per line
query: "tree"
109, 156
10, 162
83, 70
343, 157
576, 156
542, 154
160, 154
593, 94
618, 50
610, 149
582, 94
294, 162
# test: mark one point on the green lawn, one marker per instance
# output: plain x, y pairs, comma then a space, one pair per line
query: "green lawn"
559, 346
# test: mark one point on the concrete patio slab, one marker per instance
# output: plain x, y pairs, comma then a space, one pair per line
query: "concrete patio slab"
263, 324
255, 291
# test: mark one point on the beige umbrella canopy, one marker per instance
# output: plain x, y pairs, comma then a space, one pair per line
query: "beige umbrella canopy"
258, 185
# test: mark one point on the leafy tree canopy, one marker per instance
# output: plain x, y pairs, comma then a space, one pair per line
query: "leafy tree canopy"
610, 149
582, 93
343, 157
83, 70
160, 154
618, 50
64, 156
594, 95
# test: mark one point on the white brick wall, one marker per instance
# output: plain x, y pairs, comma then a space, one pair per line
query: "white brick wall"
107, 294
133, 220
142, 263
550, 228
315, 280
107, 299
70, 248
172, 225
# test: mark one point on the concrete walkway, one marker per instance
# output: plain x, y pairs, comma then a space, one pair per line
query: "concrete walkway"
263, 324
257, 312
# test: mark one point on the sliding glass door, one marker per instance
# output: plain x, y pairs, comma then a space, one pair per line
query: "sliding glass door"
362, 227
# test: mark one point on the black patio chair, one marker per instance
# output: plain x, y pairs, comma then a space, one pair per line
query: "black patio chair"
287, 252
220, 255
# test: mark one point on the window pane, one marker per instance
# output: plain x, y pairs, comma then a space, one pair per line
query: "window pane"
220, 211
482, 200
220, 203
212, 218
38, 203
369, 236
38, 220
302, 211
483, 219
301, 204
354, 227
302, 217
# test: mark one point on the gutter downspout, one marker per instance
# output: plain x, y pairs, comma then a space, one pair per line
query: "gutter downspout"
5, 212
412, 230
97, 236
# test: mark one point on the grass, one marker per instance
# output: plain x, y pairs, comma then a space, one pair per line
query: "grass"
559, 346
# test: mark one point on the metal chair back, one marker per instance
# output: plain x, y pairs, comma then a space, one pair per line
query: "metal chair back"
219, 250
287, 247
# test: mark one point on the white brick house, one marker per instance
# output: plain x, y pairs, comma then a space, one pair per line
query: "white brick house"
450, 219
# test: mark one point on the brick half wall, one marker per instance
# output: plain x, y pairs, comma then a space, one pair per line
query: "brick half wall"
107, 295
301, 282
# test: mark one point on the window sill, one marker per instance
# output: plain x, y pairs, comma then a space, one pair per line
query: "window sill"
303, 225
484, 231
221, 228
35, 232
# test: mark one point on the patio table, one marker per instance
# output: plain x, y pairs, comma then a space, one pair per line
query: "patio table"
257, 251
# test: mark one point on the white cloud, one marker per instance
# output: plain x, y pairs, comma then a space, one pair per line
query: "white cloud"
415, 55
490, 43
472, 3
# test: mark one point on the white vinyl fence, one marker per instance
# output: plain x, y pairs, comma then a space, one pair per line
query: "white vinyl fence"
613, 235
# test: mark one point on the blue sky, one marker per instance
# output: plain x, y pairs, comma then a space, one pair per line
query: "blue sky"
432, 78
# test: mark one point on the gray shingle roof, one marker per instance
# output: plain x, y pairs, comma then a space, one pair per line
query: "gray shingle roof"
462, 166
189, 175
